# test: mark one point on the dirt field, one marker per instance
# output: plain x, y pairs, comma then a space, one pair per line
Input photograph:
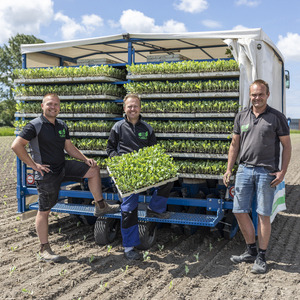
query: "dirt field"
178, 267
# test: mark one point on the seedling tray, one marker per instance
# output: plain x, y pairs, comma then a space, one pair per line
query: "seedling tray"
123, 195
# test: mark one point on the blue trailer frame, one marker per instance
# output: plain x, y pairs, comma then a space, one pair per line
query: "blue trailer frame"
218, 206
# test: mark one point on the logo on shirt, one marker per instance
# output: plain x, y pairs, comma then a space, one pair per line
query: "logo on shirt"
62, 133
143, 135
245, 128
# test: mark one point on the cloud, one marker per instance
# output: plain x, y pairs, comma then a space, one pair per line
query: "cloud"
25, 17
247, 3
134, 21
289, 45
192, 6
240, 27
211, 24
70, 28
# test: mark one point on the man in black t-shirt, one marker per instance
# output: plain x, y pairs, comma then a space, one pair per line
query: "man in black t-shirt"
258, 133
48, 138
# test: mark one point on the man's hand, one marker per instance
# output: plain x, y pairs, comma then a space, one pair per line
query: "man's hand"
41, 168
279, 177
91, 162
226, 178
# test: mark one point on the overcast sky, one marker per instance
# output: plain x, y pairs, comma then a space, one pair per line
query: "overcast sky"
57, 20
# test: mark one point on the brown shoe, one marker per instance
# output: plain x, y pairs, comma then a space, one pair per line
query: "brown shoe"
107, 209
46, 254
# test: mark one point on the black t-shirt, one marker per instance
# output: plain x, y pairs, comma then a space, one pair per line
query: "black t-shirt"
259, 137
47, 142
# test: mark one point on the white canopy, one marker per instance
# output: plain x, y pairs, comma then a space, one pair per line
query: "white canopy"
257, 55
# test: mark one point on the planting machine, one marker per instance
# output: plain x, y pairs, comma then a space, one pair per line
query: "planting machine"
191, 86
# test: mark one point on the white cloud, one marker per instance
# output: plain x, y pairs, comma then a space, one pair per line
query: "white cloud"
70, 28
134, 21
247, 3
211, 24
240, 27
25, 17
289, 45
192, 6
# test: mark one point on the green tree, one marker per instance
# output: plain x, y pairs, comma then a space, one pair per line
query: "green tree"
10, 59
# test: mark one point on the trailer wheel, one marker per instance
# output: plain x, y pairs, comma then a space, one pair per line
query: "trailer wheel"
230, 227
106, 230
148, 235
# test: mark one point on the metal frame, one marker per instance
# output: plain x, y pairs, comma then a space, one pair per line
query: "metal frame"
211, 204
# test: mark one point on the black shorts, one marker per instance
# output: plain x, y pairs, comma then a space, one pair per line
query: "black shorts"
48, 188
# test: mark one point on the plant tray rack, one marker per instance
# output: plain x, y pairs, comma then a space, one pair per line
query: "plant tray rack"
183, 75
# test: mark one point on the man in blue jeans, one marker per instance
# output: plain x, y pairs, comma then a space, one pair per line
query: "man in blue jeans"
258, 133
128, 135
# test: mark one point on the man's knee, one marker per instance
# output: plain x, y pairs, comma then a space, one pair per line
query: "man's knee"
93, 172
129, 218
164, 190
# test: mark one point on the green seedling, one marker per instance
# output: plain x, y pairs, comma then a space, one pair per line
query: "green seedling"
25, 291
126, 269
62, 272
161, 247
103, 286
146, 256
210, 246
5, 203
16, 230
18, 218
109, 247
78, 223
171, 284
67, 246
5, 196
92, 258
197, 257
11, 270
186, 269
12, 248
59, 230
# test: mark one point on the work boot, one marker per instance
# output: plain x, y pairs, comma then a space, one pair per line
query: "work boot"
245, 257
152, 214
133, 255
46, 254
107, 209
260, 266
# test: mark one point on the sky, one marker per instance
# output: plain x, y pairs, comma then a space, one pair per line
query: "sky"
61, 20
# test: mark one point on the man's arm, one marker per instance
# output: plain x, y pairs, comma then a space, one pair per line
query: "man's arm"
286, 156
112, 144
74, 152
18, 146
232, 156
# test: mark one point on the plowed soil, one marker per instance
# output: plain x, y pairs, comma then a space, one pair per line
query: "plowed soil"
177, 267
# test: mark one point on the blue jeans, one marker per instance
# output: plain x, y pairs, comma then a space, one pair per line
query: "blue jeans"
250, 182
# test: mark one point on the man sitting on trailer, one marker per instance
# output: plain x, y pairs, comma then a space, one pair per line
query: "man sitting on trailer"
128, 135
258, 132
48, 137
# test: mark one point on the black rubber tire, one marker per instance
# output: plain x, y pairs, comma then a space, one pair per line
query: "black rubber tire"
106, 230
148, 235
231, 227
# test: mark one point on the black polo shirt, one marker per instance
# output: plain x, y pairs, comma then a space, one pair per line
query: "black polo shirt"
47, 142
259, 137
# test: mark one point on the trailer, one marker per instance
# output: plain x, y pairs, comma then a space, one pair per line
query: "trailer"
191, 86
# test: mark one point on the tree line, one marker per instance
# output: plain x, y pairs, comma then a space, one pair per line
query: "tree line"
10, 59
